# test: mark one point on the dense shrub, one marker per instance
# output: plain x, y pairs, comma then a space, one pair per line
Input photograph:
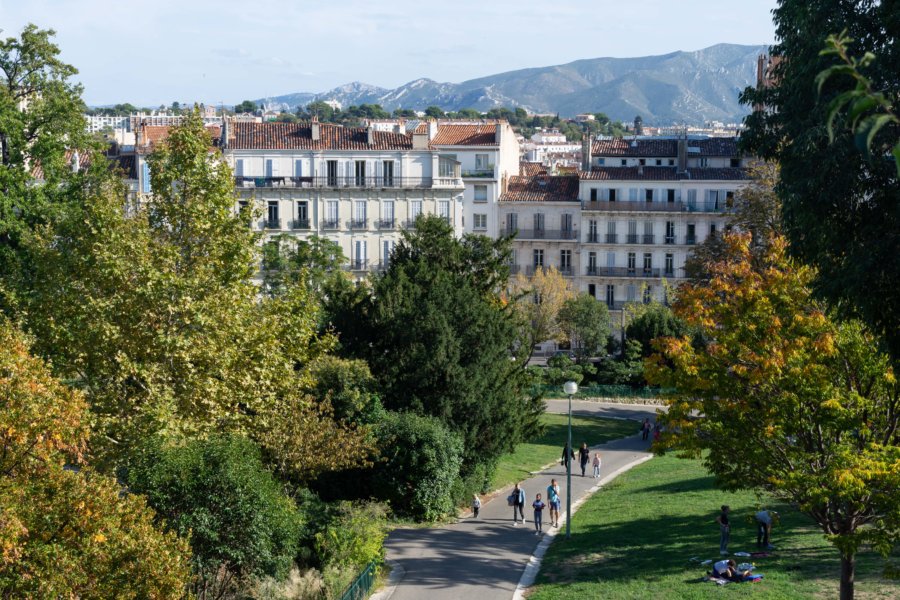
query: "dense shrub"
217, 493
419, 465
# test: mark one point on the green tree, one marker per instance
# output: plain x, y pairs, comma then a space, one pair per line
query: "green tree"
652, 321
807, 403
441, 342
539, 300
627, 369
40, 120
68, 532
435, 112
585, 321
247, 106
321, 110
288, 261
218, 494
404, 112
839, 207
154, 314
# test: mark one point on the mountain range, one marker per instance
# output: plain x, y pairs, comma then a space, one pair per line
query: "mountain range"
690, 87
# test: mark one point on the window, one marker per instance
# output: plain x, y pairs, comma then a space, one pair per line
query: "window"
239, 167
630, 292
632, 233
444, 210
632, 194
642, 162
272, 215
480, 221
691, 234
648, 294
332, 173
565, 261
415, 209
610, 260
712, 230
592, 290
670, 265
360, 255
387, 248
387, 173
565, 225
302, 214
387, 213
512, 223
624, 162
481, 162
145, 177
298, 168
631, 262
271, 168
592, 231
538, 257
648, 232
704, 161
359, 213
692, 199
480, 193
611, 232
658, 162
592, 263
670, 232
612, 194
735, 163
601, 161
538, 222
593, 194
670, 195
648, 263
331, 213
671, 162
360, 173
648, 195
610, 296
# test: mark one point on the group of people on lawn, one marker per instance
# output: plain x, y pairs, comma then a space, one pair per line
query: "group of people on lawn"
726, 568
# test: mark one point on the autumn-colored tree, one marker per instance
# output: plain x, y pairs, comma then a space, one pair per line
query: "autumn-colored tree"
539, 299
154, 314
783, 398
65, 531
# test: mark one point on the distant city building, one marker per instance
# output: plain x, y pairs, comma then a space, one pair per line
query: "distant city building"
548, 136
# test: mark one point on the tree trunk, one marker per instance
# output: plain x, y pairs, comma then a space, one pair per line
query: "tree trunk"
848, 572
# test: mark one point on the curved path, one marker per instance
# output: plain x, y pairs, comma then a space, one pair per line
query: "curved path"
484, 558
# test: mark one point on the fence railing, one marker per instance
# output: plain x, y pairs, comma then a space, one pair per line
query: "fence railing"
362, 585
605, 391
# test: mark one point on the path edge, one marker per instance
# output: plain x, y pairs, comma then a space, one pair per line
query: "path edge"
534, 563
394, 579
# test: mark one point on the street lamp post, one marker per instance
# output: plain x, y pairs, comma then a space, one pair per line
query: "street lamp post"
570, 388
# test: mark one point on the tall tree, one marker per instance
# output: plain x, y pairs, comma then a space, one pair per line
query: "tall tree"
40, 120
652, 321
840, 208
440, 341
154, 314
314, 262
539, 299
808, 404
66, 531
585, 321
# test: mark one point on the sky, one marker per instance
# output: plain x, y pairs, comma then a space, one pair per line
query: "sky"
155, 52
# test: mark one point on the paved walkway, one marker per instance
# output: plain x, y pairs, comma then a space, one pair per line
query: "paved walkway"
484, 558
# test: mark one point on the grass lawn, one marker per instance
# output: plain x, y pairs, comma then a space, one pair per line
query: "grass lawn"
635, 539
534, 454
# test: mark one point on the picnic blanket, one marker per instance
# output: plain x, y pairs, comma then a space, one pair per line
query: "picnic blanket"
752, 578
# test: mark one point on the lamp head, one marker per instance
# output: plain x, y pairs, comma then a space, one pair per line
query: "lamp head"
570, 388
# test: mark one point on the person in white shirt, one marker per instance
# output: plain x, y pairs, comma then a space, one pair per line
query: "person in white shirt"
764, 529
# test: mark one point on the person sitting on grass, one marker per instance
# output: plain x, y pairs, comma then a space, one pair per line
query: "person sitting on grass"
727, 569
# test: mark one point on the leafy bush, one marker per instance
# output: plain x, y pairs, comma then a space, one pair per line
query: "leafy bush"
354, 535
420, 461
217, 493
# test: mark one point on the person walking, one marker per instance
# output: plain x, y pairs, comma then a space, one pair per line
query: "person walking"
596, 465
645, 429
763, 528
657, 432
553, 499
724, 530
567, 455
518, 503
476, 505
584, 455
538, 506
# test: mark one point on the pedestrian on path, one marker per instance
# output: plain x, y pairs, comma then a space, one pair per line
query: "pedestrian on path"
553, 499
724, 530
476, 505
567, 455
584, 455
518, 503
538, 507
645, 429
657, 432
596, 465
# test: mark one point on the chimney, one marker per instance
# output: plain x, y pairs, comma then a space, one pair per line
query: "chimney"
139, 135
498, 133
432, 128
76, 161
586, 151
226, 131
420, 141
370, 135
315, 129
682, 154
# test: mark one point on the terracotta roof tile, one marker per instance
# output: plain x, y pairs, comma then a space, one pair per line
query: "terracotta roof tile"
663, 174
481, 134
531, 168
152, 135
37, 171
298, 136
541, 188
664, 147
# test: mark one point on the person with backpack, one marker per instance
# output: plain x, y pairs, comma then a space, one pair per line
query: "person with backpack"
554, 501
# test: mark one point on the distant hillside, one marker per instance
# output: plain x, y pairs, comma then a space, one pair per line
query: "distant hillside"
682, 86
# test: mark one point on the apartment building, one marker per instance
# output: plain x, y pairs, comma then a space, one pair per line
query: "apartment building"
645, 204
543, 212
357, 186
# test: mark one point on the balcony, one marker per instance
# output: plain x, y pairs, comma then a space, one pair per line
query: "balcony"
270, 224
349, 182
612, 238
670, 239
648, 238
620, 272
300, 224
592, 238
384, 224
673, 207
409, 224
632, 238
566, 271
515, 269
359, 265
487, 172
541, 234
690, 240
331, 224
358, 224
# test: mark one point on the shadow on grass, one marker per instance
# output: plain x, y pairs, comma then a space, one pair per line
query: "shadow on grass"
556, 434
